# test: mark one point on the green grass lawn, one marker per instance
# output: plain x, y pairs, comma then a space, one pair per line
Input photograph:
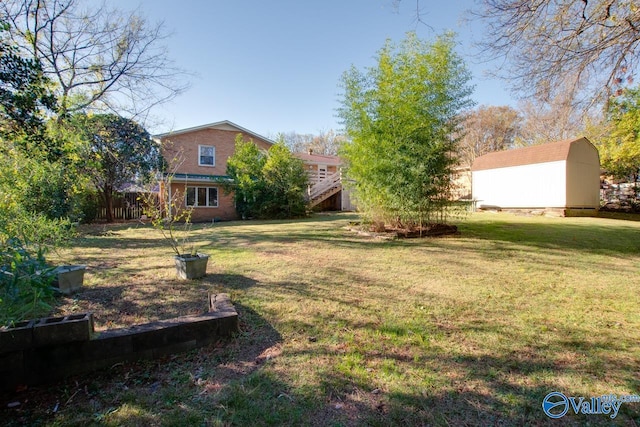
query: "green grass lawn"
339, 328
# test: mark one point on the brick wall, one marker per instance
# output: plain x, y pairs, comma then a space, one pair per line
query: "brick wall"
225, 210
182, 151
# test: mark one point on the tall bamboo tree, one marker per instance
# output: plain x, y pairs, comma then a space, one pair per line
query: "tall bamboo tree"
402, 120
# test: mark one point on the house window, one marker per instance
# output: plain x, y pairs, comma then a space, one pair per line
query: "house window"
202, 197
207, 155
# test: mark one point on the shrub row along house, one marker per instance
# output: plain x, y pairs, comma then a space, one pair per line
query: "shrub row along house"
197, 163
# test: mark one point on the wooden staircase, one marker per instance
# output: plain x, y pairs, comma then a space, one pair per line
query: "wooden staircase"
322, 190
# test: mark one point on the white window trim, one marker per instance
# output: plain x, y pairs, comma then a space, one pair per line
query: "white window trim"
200, 155
196, 195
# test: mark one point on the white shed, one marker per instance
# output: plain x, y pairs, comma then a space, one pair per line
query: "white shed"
557, 175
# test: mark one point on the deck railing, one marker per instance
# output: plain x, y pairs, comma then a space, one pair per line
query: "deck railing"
331, 181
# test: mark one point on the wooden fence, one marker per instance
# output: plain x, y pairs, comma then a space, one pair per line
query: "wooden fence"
125, 206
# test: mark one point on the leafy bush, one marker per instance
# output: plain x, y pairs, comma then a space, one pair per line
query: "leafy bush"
25, 278
285, 182
266, 184
47, 189
34, 230
25, 283
87, 206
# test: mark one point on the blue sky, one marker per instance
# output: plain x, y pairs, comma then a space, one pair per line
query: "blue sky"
274, 66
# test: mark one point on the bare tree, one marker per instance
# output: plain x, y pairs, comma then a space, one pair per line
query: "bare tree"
488, 129
99, 58
297, 142
544, 41
326, 142
554, 120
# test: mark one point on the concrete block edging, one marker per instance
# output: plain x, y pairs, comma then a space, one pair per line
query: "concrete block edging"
45, 350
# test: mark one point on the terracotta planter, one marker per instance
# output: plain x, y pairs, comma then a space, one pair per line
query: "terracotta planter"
69, 278
191, 266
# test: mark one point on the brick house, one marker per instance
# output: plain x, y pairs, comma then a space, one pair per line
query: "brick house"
197, 161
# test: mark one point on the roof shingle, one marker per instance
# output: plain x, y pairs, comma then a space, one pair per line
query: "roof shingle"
551, 152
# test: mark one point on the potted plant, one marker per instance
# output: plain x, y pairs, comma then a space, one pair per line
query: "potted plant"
168, 214
190, 264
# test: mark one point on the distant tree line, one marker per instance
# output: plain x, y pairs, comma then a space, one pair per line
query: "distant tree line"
573, 64
325, 142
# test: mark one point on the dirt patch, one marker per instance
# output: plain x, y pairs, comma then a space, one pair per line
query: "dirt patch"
388, 233
117, 305
431, 230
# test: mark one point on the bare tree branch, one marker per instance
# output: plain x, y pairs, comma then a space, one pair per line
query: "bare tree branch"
101, 59
544, 41
418, 13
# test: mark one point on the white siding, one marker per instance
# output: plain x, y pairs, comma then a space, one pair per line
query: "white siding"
541, 185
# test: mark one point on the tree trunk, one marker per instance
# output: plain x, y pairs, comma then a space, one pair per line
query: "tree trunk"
107, 193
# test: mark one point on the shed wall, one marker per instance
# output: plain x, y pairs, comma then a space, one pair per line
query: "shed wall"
540, 185
583, 176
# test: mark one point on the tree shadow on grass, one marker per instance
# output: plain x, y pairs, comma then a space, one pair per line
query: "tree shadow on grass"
459, 389
503, 386
616, 238
234, 382
193, 388
229, 281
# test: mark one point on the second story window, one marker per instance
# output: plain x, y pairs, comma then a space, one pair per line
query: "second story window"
207, 155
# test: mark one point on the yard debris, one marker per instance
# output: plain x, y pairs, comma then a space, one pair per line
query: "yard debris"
72, 396
285, 395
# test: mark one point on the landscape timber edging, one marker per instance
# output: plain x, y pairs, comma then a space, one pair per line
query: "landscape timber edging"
25, 363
